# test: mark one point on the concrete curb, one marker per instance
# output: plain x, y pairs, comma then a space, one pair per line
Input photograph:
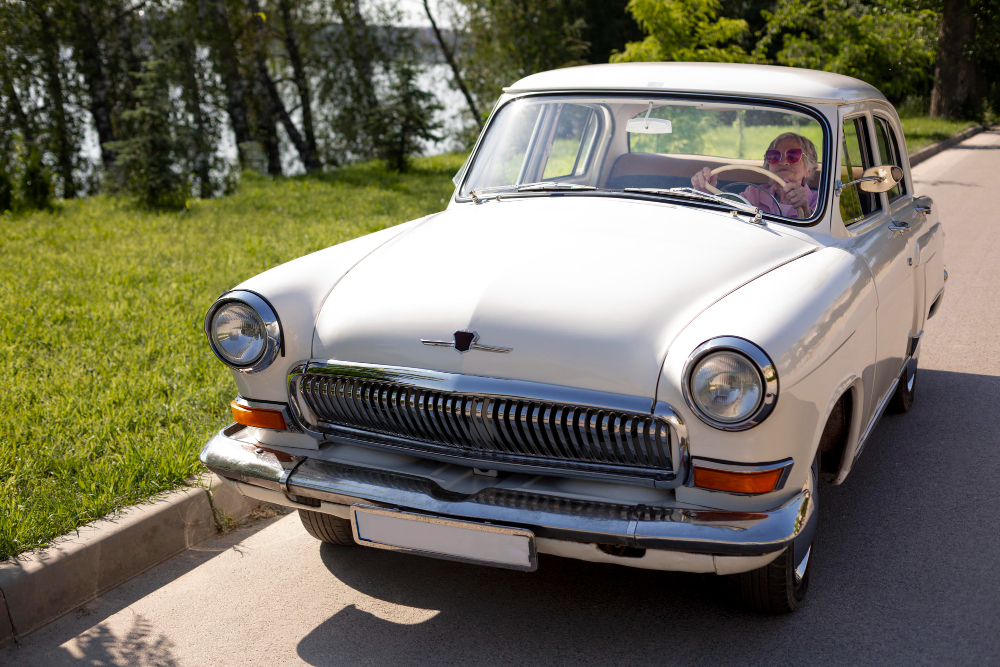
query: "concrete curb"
39, 586
934, 149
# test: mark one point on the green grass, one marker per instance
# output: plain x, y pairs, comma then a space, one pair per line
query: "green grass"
921, 131
107, 386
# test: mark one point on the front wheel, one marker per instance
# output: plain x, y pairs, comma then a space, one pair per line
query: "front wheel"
780, 586
777, 588
328, 528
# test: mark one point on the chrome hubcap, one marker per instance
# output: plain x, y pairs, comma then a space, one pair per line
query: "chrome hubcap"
800, 570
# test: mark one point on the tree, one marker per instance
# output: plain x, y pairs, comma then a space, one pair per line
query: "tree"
510, 39
684, 30
890, 45
148, 159
405, 118
448, 51
967, 60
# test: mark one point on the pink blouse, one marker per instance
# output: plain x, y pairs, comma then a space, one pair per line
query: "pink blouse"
753, 195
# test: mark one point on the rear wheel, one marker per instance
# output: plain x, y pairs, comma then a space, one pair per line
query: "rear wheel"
328, 528
902, 399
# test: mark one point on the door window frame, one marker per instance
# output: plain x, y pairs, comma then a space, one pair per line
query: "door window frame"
880, 114
866, 222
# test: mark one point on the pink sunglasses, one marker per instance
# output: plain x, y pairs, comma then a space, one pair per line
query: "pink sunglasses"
773, 156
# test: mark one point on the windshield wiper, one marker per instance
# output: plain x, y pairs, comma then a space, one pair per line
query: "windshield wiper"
690, 193
554, 186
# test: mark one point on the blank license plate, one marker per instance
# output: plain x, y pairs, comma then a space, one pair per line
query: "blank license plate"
465, 541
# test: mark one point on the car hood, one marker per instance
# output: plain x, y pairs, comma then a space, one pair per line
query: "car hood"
586, 292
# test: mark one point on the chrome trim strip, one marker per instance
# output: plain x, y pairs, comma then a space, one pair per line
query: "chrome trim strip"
765, 368
660, 527
518, 438
878, 414
272, 325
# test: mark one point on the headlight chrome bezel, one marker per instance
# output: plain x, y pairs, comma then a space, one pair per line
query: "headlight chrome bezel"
272, 327
757, 357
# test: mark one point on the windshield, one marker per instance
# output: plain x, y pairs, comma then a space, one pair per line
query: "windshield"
768, 156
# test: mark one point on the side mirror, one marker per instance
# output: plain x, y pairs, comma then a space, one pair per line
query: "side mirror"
885, 178
877, 179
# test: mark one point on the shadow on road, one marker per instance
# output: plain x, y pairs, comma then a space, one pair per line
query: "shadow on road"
903, 570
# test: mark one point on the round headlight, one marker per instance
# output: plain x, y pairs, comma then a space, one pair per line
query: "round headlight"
726, 386
243, 331
730, 383
238, 333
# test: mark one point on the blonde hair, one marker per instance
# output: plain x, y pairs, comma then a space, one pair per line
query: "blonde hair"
808, 149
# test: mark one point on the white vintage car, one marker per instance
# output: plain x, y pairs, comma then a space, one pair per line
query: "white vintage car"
665, 301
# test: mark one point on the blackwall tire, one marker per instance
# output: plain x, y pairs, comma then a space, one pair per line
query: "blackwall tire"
902, 399
774, 588
328, 528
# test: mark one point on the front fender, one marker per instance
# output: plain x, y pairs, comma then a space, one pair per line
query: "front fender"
815, 319
296, 291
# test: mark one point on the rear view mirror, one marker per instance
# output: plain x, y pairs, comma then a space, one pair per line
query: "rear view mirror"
648, 125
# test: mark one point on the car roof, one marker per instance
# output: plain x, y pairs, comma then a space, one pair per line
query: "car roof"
786, 83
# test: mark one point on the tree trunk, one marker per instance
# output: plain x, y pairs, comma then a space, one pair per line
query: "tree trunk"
24, 123
449, 55
228, 66
193, 105
271, 91
267, 127
357, 34
299, 72
64, 145
955, 76
97, 81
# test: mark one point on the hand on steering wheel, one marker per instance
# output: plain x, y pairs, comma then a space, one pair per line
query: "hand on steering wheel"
710, 182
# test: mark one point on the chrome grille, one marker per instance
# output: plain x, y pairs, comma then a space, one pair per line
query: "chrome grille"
491, 428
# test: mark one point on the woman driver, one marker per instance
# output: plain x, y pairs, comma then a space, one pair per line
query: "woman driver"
790, 156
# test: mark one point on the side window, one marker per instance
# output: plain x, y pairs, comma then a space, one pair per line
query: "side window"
572, 142
888, 150
855, 158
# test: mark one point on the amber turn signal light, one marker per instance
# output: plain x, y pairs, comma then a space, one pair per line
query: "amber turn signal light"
737, 482
258, 417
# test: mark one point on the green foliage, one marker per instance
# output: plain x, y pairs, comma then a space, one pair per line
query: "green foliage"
889, 44
405, 118
510, 39
684, 30
35, 182
147, 160
107, 386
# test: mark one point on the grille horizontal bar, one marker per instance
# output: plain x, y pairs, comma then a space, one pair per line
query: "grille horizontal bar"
489, 427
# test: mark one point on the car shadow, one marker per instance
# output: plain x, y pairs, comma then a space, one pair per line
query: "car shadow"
903, 569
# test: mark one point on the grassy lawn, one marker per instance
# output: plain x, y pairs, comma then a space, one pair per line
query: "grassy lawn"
107, 386
921, 131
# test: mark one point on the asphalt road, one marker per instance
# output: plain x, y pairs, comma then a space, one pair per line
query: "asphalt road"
906, 564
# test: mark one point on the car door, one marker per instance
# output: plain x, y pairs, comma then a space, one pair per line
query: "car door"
917, 212
883, 236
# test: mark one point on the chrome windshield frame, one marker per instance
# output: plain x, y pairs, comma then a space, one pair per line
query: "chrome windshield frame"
823, 188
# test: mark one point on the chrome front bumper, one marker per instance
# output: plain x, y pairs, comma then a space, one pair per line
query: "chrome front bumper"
582, 521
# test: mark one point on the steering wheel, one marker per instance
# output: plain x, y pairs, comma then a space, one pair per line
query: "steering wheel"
737, 187
803, 213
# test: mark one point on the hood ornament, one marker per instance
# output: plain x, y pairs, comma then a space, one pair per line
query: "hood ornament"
465, 341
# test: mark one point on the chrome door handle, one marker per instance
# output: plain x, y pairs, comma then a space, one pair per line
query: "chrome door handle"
922, 209
899, 227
